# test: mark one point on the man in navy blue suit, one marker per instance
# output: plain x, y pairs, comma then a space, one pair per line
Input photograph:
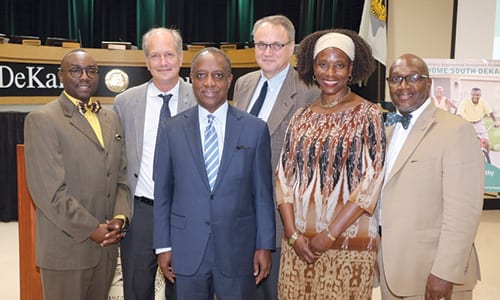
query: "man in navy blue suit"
214, 230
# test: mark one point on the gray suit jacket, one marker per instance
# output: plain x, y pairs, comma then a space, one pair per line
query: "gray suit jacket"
131, 108
431, 205
293, 95
75, 183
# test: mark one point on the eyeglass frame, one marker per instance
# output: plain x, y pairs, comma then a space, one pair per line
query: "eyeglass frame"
418, 78
80, 70
263, 46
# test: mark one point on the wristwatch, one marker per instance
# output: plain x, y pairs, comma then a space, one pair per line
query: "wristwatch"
293, 238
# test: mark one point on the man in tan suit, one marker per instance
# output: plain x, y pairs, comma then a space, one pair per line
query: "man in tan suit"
76, 172
274, 38
432, 197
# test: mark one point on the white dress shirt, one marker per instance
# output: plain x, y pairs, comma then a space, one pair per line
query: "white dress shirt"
398, 139
219, 124
273, 88
145, 184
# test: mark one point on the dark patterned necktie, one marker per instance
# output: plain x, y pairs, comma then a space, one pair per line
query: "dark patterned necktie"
94, 107
393, 118
260, 100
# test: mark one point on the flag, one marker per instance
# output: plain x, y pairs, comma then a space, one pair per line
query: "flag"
373, 28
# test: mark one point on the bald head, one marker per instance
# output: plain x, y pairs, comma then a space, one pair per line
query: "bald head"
412, 59
413, 87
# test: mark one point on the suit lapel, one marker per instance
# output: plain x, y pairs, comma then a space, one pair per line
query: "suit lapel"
247, 91
418, 131
284, 102
233, 130
105, 122
183, 101
139, 112
78, 120
193, 139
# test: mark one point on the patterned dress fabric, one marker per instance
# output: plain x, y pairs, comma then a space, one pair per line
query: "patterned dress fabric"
327, 160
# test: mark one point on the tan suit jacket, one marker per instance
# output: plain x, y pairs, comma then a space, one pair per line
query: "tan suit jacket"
293, 95
431, 205
75, 183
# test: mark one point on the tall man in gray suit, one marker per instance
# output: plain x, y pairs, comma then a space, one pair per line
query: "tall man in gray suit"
213, 193
76, 172
274, 38
140, 110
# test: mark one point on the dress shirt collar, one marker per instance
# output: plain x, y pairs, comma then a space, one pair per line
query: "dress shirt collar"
415, 114
153, 93
275, 81
220, 114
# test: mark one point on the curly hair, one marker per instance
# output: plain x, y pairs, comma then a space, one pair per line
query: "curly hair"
362, 66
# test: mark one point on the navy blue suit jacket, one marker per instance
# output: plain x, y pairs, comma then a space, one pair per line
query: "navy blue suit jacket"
238, 214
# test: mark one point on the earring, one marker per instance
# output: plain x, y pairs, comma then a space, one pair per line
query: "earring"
350, 78
314, 77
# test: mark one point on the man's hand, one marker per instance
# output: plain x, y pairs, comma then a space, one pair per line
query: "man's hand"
438, 289
261, 264
99, 234
165, 263
114, 234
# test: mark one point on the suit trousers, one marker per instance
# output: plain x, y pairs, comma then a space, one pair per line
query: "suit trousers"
86, 284
208, 282
388, 295
139, 261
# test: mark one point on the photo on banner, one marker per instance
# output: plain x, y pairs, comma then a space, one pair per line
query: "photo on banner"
462, 87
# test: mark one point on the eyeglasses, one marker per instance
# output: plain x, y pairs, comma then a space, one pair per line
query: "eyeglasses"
273, 46
410, 79
77, 72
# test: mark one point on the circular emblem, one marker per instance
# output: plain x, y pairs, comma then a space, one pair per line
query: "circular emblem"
116, 80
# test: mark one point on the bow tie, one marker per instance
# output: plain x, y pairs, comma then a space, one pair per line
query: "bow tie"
95, 106
392, 118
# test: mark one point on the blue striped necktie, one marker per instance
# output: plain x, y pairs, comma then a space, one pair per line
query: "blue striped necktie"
211, 154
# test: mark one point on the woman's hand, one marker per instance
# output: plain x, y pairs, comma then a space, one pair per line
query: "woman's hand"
303, 250
320, 243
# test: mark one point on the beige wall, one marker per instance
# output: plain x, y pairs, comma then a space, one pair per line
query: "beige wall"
475, 28
422, 27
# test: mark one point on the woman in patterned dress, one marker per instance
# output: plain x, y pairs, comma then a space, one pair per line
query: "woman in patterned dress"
330, 174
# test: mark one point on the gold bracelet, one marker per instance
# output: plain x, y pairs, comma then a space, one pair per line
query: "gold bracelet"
293, 238
329, 235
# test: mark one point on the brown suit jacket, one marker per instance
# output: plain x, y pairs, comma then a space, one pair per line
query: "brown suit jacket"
431, 205
75, 182
293, 95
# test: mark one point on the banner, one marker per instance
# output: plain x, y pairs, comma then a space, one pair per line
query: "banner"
457, 84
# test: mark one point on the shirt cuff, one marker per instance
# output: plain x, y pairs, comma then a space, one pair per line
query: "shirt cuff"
163, 250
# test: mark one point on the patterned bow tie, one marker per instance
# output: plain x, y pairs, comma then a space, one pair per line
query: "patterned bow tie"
95, 106
392, 118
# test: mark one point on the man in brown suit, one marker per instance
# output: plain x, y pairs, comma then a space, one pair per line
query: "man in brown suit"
284, 93
432, 197
76, 172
